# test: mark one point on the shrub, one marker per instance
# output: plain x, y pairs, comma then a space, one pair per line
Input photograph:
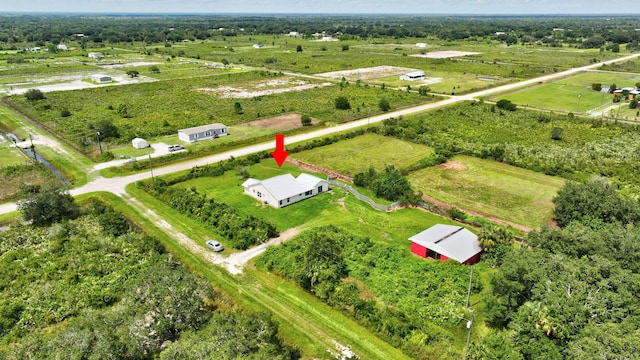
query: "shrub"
305, 120
65, 113
384, 105
596, 86
506, 105
34, 94
556, 133
342, 103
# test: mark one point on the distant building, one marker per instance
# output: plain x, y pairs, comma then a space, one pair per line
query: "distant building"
283, 190
258, 46
101, 78
421, 45
293, 33
203, 132
443, 242
62, 47
95, 55
413, 76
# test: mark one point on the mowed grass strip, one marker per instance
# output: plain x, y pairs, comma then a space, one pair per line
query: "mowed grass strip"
573, 94
492, 188
356, 155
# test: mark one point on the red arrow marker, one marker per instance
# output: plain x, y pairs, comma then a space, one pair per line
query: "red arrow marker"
279, 155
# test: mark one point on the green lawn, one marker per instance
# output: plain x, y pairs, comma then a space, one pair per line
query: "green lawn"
10, 155
492, 188
573, 94
358, 154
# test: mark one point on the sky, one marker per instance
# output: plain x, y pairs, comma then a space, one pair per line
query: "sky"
497, 7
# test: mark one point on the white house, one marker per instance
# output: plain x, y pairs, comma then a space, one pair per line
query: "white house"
139, 143
413, 76
283, 190
421, 45
258, 46
203, 132
101, 78
62, 47
95, 55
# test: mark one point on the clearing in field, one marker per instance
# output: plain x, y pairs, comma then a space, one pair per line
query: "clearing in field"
491, 188
251, 90
277, 123
356, 155
445, 54
573, 94
368, 73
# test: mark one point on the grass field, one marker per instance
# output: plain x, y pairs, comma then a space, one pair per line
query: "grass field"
10, 155
572, 94
358, 154
491, 188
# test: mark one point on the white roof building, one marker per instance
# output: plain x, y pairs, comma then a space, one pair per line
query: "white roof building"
444, 242
280, 191
204, 132
413, 76
101, 78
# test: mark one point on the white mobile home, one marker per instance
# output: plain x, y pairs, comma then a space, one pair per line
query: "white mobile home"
203, 132
101, 78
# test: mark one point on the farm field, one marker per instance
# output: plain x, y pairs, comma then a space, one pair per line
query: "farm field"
491, 188
356, 155
573, 94
388, 231
161, 108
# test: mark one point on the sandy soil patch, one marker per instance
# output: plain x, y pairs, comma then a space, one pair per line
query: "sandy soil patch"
131, 64
453, 165
77, 82
445, 54
368, 73
269, 87
280, 123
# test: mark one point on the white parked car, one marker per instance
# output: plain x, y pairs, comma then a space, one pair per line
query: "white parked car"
214, 245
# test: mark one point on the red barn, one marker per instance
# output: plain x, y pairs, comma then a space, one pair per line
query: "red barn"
444, 242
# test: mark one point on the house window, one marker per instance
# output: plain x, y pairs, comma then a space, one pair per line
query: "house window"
319, 189
308, 193
221, 131
287, 200
280, 202
259, 194
432, 254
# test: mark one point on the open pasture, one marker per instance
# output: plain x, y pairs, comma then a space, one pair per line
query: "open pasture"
356, 155
491, 188
573, 94
161, 108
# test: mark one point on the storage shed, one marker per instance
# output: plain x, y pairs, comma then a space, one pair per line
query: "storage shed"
442, 242
101, 78
139, 143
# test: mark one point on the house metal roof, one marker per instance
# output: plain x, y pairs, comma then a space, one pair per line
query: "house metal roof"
454, 242
285, 186
203, 128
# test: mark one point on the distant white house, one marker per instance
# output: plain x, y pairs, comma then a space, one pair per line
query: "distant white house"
101, 78
95, 55
139, 143
293, 33
413, 76
203, 132
283, 190
421, 45
62, 47
258, 46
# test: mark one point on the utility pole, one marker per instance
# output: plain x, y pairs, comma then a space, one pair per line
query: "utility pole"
469, 291
578, 108
469, 324
99, 145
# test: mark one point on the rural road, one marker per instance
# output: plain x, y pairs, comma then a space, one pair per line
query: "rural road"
117, 185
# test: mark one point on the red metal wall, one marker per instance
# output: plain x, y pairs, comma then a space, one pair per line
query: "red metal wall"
418, 250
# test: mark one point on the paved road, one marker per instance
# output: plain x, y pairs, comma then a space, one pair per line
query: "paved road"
117, 185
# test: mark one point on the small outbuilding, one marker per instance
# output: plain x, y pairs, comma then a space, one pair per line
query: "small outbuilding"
203, 132
139, 143
442, 242
413, 76
101, 78
95, 55
283, 190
